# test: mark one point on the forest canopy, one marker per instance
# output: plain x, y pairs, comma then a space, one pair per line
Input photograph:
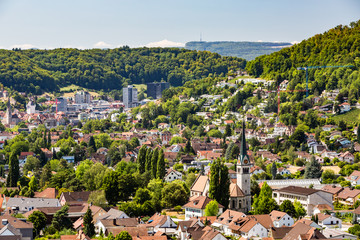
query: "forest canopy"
37, 71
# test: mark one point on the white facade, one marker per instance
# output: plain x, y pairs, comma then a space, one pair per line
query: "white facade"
257, 230
82, 97
286, 221
173, 175
331, 222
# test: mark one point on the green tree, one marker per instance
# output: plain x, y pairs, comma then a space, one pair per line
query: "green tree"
38, 219
188, 148
160, 172
219, 183
288, 207
154, 160
212, 208
174, 194
148, 160
313, 169
111, 187
32, 164
123, 235
33, 185
92, 143
14, 174
273, 170
264, 203
61, 219
299, 209
227, 131
89, 228
141, 159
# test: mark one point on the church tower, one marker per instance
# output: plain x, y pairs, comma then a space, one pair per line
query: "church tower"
243, 172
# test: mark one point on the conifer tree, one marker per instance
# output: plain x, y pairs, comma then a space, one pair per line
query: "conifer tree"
273, 170
188, 148
154, 160
148, 160
313, 169
92, 143
89, 228
141, 159
160, 172
14, 173
44, 140
219, 183
49, 140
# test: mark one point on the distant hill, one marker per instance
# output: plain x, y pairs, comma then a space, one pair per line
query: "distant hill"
246, 50
339, 46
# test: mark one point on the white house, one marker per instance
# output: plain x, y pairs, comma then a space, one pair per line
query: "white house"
344, 107
111, 214
347, 157
282, 171
280, 219
354, 178
226, 219
172, 175
160, 223
248, 228
196, 207
329, 221
337, 234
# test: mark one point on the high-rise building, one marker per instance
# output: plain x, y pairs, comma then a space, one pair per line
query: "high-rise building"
82, 97
130, 98
155, 90
61, 104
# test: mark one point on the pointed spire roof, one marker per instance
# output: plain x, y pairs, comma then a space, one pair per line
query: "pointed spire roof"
243, 151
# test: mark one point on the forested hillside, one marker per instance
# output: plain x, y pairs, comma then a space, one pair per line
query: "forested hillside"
47, 70
338, 46
246, 50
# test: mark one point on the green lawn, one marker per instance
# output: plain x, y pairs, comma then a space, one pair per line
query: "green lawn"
140, 86
71, 87
352, 117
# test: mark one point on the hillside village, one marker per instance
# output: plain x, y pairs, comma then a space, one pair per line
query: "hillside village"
152, 168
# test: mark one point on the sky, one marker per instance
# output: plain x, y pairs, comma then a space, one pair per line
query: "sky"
84, 24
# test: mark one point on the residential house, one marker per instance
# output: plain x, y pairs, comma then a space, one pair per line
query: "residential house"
308, 197
347, 157
110, 215
283, 171
329, 221
280, 219
74, 198
248, 227
226, 218
172, 175
200, 187
12, 227
348, 196
196, 207
344, 107
337, 234
301, 230
23, 205
23, 157
354, 178
329, 127
256, 170
183, 226
334, 190
204, 233
162, 223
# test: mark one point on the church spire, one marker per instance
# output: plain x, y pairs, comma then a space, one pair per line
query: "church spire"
243, 151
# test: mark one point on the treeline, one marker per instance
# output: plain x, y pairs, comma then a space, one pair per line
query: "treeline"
37, 71
338, 46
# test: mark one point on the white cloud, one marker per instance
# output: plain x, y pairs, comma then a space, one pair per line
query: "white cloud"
102, 44
294, 42
165, 43
23, 46
259, 40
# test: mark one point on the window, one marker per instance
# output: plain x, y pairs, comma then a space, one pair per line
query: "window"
245, 170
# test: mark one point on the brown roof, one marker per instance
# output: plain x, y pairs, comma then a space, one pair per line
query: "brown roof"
122, 222
199, 184
229, 216
322, 216
133, 231
200, 203
348, 193
157, 220
303, 231
76, 197
16, 223
47, 193
235, 191
332, 189
264, 220
276, 215
280, 233
298, 190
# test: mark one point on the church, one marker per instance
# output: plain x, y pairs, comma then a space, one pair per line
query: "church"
240, 196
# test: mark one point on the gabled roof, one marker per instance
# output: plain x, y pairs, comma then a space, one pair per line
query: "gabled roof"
47, 193
119, 222
200, 203
199, 184
75, 197
276, 215
111, 214
16, 223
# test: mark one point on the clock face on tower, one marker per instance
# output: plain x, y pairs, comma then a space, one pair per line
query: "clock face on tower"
246, 161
